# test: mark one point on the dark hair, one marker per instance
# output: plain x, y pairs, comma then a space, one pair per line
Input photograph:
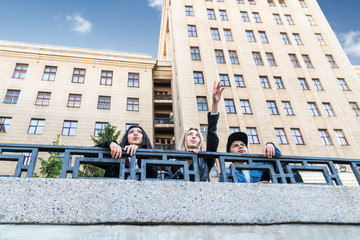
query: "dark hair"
146, 141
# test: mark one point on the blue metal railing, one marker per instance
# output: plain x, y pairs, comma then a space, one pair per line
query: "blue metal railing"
279, 170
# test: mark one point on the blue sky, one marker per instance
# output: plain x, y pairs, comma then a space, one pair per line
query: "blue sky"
129, 25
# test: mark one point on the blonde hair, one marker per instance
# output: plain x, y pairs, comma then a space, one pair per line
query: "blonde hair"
183, 140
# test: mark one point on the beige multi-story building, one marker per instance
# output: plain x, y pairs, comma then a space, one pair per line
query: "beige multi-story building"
357, 69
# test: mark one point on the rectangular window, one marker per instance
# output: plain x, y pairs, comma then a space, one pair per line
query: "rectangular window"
277, 18
106, 77
279, 83
313, 109
257, 59
317, 84
215, 34
20, 70
272, 108
133, 80
340, 137
271, 3
355, 107
320, 39
192, 31
69, 128
282, 3
100, 128
43, 99
195, 53
201, 104
298, 139
252, 135
302, 3
264, 82
239, 81
12, 96
280, 136
271, 59
328, 109
250, 36
297, 39
49, 73
128, 125
303, 84
289, 19
224, 80
233, 57
263, 37
293, 60
223, 15
343, 84
219, 54
310, 19
244, 17
240, 1
189, 11
204, 130
132, 104
211, 14
285, 38
234, 129
4, 124
198, 78
324, 135
78, 75
307, 61
256, 16
229, 106
245, 106
104, 102
288, 109
251, 2
331, 61
228, 35
74, 100
36, 126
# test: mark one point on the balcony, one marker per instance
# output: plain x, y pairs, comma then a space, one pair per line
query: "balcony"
162, 97
165, 146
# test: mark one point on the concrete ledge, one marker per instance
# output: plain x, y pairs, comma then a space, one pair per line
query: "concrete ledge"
112, 201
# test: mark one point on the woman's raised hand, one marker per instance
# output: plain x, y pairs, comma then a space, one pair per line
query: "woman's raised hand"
115, 150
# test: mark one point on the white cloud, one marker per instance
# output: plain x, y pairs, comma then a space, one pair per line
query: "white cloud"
156, 4
79, 24
351, 43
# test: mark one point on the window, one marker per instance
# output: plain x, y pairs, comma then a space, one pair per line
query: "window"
320, 39
307, 61
289, 19
293, 60
313, 109
263, 37
280, 136
233, 57
298, 139
195, 53
324, 135
355, 107
277, 19
303, 84
219, 54
250, 36
228, 35
285, 38
340, 137
215, 34
201, 104
257, 59
43, 98
49, 73
272, 108
257, 18
240, 1
317, 84
234, 129
12, 96
328, 109
271, 3
343, 84
239, 81
245, 106
132, 104
100, 128
264, 82
229, 106
36, 126
252, 135
282, 3
211, 14
4, 124
331, 61
192, 31
133, 80
302, 3
288, 109
69, 128
310, 19
297, 39
279, 83
78, 75
104, 102
189, 11
198, 78
20, 70
271, 59
106, 78
251, 2
244, 17
204, 130
74, 100
223, 15
224, 80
